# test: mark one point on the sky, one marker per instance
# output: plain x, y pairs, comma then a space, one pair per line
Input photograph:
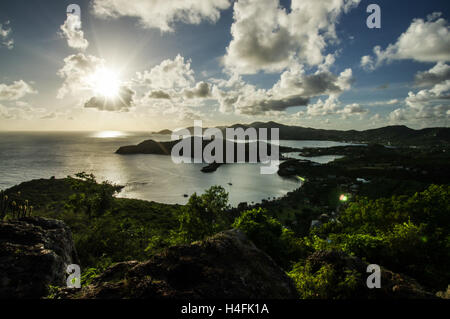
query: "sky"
147, 65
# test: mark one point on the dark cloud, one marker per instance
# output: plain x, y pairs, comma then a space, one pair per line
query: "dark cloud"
201, 90
439, 73
322, 83
259, 107
294, 89
383, 86
122, 103
159, 95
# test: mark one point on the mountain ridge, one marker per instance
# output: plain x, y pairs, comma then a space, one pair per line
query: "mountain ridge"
393, 134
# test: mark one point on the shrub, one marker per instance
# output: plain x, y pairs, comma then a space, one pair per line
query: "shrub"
269, 235
325, 283
407, 234
205, 215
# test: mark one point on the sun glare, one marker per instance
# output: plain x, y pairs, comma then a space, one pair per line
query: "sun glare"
105, 82
108, 134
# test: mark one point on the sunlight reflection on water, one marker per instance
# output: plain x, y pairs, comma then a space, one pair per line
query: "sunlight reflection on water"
26, 156
109, 134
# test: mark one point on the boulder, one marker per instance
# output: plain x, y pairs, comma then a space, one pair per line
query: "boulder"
227, 265
34, 253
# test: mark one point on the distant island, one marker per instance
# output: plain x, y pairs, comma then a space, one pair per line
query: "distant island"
389, 135
163, 132
165, 148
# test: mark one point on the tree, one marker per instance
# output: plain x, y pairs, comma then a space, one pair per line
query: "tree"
269, 235
205, 214
90, 197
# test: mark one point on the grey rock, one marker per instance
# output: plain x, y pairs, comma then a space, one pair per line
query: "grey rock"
34, 253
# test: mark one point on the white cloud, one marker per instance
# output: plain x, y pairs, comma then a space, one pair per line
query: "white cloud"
4, 112
79, 72
76, 72
295, 88
267, 37
5, 36
438, 77
398, 115
169, 74
392, 102
427, 114
367, 63
423, 41
440, 91
376, 118
15, 91
351, 109
383, 103
429, 105
162, 14
21, 111
324, 107
170, 87
71, 31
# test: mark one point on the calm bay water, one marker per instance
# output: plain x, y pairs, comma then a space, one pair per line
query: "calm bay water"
26, 156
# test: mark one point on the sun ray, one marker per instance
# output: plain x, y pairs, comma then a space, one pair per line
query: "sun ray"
105, 82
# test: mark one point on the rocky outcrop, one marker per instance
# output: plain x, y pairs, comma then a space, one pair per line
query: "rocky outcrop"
165, 148
147, 147
34, 253
211, 167
226, 265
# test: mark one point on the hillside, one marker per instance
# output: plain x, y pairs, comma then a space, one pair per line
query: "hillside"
393, 135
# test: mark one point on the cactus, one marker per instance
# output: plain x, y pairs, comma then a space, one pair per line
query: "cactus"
25, 210
14, 208
3, 205
17, 209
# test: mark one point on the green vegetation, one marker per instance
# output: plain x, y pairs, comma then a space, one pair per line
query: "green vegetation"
408, 234
90, 197
325, 283
14, 208
205, 215
105, 229
268, 234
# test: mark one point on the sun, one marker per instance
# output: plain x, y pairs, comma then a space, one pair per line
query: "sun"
105, 82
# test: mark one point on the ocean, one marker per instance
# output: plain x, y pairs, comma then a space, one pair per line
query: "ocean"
32, 155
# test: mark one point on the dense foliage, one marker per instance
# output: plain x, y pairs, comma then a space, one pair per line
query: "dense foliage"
410, 235
268, 234
406, 234
205, 215
326, 282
